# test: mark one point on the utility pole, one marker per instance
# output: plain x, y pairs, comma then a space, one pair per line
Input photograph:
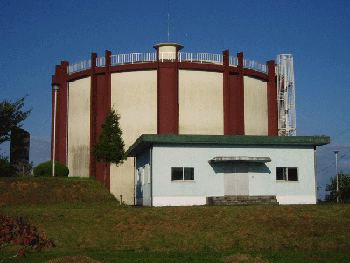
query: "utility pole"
336, 165
55, 88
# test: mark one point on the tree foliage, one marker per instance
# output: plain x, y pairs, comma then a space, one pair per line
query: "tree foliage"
5, 166
45, 169
110, 146
11, 116
344, 189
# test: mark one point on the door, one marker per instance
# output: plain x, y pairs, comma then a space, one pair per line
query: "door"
237, 183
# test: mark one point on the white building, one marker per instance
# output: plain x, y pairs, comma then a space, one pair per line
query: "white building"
175, 170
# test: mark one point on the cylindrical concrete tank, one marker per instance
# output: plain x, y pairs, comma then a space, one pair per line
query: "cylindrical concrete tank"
162, 92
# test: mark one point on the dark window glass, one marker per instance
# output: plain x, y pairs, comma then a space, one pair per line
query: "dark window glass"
280, 173
292, 174
176, 173
189, 173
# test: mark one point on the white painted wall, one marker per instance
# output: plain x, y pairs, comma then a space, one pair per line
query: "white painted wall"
201, 102
79, 127
209, 179
134, 96
167, 52
255, 107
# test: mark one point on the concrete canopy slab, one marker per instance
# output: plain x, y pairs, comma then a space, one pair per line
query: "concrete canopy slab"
240, 159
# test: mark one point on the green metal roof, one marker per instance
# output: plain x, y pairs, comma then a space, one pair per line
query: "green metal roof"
146, 140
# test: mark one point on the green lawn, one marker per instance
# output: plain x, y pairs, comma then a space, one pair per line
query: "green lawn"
83, 219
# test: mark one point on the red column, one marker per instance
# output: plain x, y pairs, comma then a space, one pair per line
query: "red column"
167, 97
93, 113
237, 99
103, 106
60, 77
272, 100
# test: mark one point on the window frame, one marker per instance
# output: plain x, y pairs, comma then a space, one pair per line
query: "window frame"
183, 174
285, 174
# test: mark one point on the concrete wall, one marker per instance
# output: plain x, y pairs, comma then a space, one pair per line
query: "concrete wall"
134, 97
79, 127
209, 178
206, 182
200, 102
167, 52
255, 107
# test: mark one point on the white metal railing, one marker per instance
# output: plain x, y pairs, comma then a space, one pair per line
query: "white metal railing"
100, 62
233, 61
167, 56
200, 57
252, 64
80, 66
132, 58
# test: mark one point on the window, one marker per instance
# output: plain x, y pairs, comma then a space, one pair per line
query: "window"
287, 174
182, 173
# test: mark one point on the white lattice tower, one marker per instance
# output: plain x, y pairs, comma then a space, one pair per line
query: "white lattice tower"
286, 95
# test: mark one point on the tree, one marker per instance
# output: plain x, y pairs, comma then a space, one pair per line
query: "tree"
4, 166
11, 116
110, 146
344, 188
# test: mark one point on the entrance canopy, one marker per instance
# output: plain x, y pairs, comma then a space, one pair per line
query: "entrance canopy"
240, 159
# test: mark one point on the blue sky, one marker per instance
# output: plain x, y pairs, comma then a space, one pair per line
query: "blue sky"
37, 35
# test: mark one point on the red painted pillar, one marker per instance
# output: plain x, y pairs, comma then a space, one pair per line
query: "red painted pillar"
93, 113
100, 105
167, 97
60, 77
237, 99
108, 104
272, 100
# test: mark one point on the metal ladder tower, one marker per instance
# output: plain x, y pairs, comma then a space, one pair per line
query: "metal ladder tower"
286, 95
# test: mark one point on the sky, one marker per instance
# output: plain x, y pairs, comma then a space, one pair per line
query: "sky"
36, 35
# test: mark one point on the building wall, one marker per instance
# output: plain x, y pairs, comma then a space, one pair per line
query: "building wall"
79, 127
166, 192
209, 178
255, 107
200, 102
134, 97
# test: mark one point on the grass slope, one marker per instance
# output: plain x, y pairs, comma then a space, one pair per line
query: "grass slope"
84, 219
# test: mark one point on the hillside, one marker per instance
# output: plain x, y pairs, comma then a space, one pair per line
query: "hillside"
83, 219
44, 191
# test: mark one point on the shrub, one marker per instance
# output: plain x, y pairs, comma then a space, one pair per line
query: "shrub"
4, 166
45, 169
17, 231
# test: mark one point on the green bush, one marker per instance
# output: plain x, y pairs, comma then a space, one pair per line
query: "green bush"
45, 169
4, 166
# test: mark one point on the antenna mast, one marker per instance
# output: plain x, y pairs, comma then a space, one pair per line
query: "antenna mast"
168, 22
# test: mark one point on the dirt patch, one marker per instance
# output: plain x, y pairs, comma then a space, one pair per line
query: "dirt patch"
78, 259
242, 258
